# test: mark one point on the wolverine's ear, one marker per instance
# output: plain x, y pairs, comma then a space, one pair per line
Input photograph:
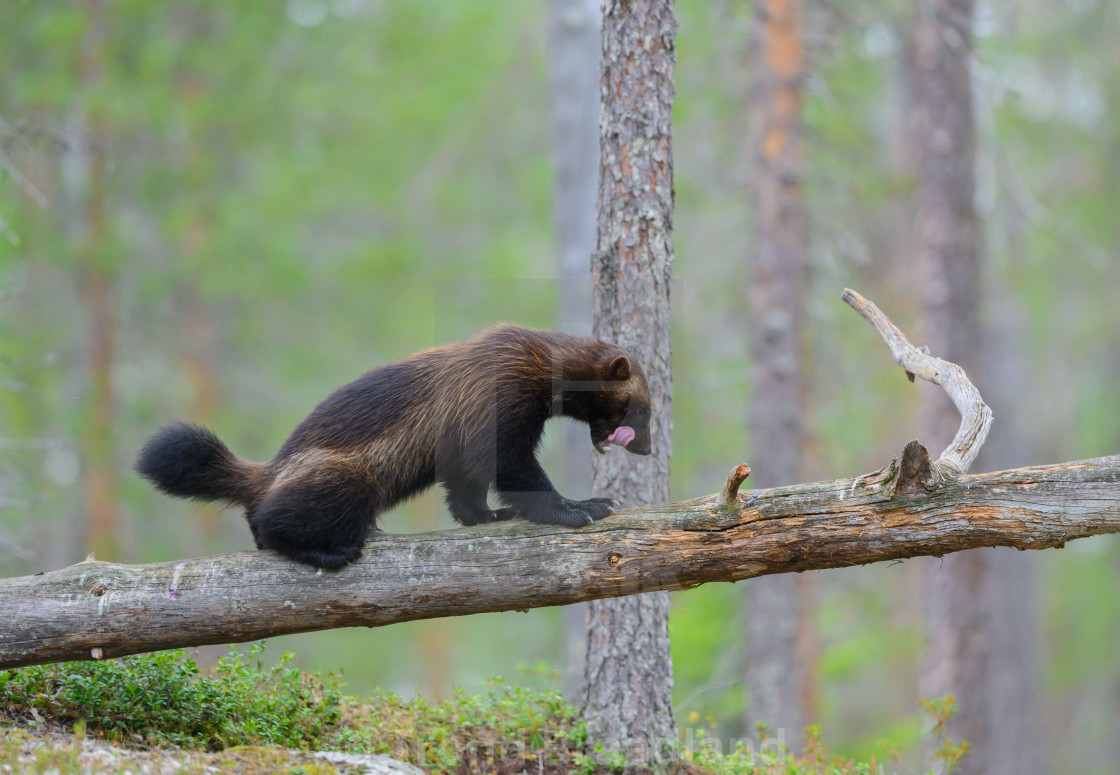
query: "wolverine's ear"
619, 369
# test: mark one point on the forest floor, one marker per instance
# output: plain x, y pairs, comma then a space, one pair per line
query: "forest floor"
42, 748
45, 748
159, 713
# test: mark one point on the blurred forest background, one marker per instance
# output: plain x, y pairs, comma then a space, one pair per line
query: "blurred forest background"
220, 212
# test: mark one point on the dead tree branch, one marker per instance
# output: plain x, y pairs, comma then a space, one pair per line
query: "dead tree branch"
976, 417
96, 610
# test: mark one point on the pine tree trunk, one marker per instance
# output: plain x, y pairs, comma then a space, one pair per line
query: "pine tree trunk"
958, 659
628, 675
574, 41
99, 479
96, 295
775, 605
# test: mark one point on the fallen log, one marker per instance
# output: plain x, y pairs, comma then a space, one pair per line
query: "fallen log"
98, 609
911, 507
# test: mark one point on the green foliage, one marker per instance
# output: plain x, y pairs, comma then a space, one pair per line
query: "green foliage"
161, 699
774, 760
948, 752
770, 758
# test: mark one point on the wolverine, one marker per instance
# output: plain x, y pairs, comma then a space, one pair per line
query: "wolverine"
467, 415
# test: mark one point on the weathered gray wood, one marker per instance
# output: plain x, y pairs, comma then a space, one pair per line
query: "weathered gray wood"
976, 417
123, 609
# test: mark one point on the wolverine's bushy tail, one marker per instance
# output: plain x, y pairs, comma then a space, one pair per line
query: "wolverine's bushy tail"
189, 461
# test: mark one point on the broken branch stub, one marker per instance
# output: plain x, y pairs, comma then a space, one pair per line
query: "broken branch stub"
729, 495
976, 417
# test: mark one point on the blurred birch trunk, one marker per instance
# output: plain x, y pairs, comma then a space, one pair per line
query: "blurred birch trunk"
574, 41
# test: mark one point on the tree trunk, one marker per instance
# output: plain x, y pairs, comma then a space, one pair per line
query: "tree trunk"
776, 673
99, 478
1012, 595
959, 633
628, 675
574, 41
95, 292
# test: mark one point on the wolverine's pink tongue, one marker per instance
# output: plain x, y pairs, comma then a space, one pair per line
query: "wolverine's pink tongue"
622, 435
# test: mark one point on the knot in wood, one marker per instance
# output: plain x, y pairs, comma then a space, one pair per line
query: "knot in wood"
97, 590
614, 558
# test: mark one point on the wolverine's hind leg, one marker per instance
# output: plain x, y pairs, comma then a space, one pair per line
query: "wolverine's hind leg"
466, 500
321, 519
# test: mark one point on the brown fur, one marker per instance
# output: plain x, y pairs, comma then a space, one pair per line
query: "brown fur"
468, 415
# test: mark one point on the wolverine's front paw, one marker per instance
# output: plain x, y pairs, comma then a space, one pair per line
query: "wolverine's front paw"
558, 510
592, 508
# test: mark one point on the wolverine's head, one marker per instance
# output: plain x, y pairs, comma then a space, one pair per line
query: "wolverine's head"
618, 411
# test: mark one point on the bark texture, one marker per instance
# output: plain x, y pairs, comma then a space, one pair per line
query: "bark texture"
960, 638
98, 610
628, 675
775, 605
574, 42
